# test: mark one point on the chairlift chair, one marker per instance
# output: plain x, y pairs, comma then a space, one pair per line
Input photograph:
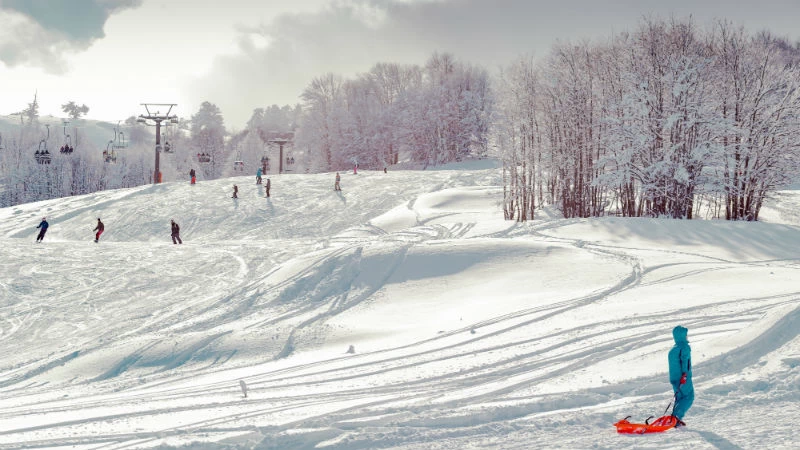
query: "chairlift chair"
238, 165
67, 148
119, 138
41, 155
109, 154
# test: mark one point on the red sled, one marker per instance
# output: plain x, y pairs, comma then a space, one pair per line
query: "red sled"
659, 425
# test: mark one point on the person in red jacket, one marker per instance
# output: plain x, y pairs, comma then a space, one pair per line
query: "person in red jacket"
99, 228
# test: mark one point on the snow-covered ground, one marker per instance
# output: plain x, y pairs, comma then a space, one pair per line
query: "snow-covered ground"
467, 331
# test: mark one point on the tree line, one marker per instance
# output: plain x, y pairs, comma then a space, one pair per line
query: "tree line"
431, 114
667, 121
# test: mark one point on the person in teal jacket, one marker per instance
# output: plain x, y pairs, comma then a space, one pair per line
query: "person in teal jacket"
680, 373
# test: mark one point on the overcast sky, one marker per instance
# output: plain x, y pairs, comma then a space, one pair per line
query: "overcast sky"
113, 55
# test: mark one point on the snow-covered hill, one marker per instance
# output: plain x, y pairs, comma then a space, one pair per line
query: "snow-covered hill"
401, 313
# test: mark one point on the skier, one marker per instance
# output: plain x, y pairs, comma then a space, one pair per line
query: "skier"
99, 228
336, 186
680, 373
192, 174
43, 225
268, 186
235, 191
258, 176
176, 232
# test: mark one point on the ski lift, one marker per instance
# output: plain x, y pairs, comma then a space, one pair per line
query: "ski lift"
41, 155
109, 154
67, 148
283, 160
238, 164
119, 138
203, 158
169, 148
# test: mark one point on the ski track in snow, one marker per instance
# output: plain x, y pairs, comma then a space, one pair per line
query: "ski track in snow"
469, 331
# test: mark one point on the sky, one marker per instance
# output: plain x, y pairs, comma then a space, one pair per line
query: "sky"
402, 312
113, 55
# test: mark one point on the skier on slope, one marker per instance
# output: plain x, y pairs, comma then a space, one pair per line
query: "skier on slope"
99, 228
176, 232
43, 225
192, 174
258, 176
235, 191
680, 373
336, 186
268, 186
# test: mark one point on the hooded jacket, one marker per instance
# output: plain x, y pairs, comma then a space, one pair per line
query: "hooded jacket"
680, 357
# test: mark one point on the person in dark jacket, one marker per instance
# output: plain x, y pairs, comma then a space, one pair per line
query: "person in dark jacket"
680, 373
235, 191
268, 186
176, 233
99, 228
192, 174
43, 225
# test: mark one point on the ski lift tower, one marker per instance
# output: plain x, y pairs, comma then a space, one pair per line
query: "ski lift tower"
280, 142
156, 118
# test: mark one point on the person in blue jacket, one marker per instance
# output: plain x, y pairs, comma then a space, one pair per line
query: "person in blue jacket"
680, 373
258, 176
43, 225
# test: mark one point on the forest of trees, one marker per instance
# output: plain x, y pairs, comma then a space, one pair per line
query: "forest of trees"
432, 114
29, 174
666, 121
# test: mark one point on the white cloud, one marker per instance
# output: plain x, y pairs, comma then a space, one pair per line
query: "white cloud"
43, 34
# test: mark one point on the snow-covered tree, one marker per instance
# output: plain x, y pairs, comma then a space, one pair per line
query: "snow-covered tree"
658, 122
319, 124
208, 137
73, 110
435, 114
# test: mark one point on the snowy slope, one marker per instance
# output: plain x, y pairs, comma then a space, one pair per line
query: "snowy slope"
467, 331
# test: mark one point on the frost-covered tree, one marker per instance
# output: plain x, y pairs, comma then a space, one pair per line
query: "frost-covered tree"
208, 137
318, 130
659, 122
519, 135
31, 112
435, 114
73, 110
